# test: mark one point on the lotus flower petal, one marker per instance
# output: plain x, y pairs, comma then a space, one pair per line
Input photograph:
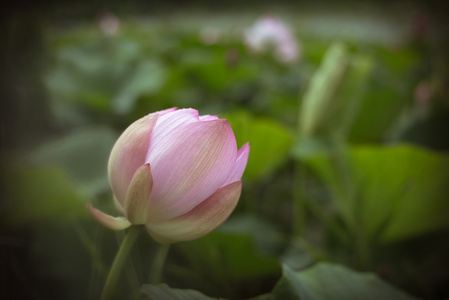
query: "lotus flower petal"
240, 164
170, 121
119, 206
128, 154
189, 165
138, 194
114, 223
201, 220
208, 118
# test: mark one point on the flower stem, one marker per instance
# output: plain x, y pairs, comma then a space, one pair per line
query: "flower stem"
158, 263
119, 262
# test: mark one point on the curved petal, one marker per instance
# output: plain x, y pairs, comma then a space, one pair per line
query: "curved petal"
201, 220
208, 118
114, 223
128, 154
119, 206
188, 165
240, 164
170, 121
138, 194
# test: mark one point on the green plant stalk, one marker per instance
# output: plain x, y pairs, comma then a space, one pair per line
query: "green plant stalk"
324, 83
119, 262
158, 263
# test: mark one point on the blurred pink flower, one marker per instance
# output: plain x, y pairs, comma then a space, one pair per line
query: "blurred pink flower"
109, 24
177, 173
270, 33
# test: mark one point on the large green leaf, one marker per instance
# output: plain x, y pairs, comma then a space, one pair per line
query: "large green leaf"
389, 193
164, 292
269, 141
326, 281
402, 189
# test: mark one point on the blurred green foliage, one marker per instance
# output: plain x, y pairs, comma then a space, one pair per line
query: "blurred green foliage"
348, 168
385, 189
270, 142
329, 281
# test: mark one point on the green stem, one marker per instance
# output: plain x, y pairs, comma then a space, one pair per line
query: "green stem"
119, 262
158, 263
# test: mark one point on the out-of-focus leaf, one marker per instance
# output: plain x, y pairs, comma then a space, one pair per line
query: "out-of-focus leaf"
309, 146
164, 292
270, 144
389, 89
390, 193
403, 190
226, 264
43, 193
103, 75
348, 97
147, 78
267, 236
223, 251
297, 257
83, 154
326, 281
269, 141
217, 69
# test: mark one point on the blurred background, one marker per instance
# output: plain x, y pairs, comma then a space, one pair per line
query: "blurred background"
345, 106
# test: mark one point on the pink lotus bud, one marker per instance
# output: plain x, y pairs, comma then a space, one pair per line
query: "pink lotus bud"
176, 172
